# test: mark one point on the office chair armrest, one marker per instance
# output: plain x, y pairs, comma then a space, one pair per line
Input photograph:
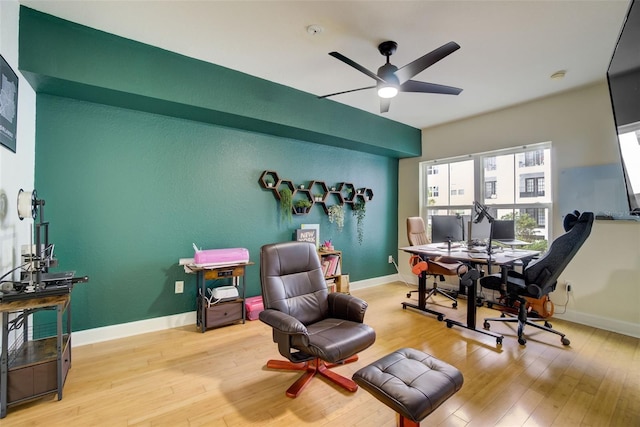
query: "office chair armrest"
346, 307
282, 322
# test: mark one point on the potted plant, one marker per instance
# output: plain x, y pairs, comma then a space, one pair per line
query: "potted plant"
286, 205
268, 181
317, 197
302, 206
359, 210
336, 215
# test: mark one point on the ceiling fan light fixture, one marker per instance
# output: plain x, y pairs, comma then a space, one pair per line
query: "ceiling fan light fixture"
387, 91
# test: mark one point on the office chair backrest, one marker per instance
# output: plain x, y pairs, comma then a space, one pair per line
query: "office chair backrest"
292, 281
416, 231
542, 274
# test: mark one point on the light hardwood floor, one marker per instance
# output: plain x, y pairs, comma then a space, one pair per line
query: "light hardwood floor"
181, 377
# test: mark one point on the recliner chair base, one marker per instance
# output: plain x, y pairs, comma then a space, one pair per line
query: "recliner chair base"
313, 367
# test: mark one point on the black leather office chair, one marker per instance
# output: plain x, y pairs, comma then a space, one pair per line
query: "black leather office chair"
314, 329
436, 267
540, 276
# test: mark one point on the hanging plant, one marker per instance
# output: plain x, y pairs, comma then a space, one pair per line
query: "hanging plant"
336, 215
359, 211
286, 205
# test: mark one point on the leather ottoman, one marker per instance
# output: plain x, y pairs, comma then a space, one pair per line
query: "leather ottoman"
410, 382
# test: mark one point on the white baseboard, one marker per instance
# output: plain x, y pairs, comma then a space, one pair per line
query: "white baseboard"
374, 281
106, 333
112, 332
607, 324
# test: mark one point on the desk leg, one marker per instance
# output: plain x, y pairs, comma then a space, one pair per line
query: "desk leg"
202, 289
5, 361
471, 315
422, 298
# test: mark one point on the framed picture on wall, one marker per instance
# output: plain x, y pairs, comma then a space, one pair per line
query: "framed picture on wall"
8, 105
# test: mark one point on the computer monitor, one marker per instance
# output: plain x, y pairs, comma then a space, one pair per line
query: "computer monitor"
503, 229
445, 228
479, 231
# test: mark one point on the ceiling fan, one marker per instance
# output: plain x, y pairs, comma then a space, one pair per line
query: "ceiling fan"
391, 79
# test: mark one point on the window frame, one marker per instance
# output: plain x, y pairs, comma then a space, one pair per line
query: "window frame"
479, 173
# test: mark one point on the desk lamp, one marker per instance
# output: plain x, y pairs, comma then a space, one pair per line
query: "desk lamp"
482, 212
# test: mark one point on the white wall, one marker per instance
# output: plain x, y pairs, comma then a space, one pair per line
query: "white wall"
16, 169
606, 273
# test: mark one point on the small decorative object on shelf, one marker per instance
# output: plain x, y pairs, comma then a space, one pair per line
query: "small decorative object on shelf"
317, 197
359, 211
336, 215
327, 245
269, 182
302, 206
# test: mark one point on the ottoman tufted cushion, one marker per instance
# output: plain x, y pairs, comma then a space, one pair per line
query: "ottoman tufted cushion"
410, 382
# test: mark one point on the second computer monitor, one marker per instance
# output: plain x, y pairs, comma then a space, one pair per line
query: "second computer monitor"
503, 229
445, 228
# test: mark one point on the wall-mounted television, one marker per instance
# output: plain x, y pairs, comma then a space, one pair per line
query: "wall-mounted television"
623, 77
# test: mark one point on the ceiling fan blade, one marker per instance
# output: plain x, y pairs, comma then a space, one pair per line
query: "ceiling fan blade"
384, 105
356, 66
420, 64
424, 87
345, 91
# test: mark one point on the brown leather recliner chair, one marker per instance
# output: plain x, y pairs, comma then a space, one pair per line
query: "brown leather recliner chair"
314, 329
436, 267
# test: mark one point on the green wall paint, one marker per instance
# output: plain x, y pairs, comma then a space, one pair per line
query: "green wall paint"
140, 152
66, 59
127, 192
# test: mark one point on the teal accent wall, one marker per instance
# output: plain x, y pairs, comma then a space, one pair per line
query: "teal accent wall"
66, 59
141, 152
128, 192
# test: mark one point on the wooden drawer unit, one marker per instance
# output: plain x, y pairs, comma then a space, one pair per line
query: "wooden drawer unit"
224, 313
224, 272
34, 378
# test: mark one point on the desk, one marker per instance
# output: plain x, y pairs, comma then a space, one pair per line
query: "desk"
225, 312
504, 260
36, 367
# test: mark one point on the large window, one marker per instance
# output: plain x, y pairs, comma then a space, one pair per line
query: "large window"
510, 182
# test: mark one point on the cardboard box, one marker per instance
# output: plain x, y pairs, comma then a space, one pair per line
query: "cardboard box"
254, 306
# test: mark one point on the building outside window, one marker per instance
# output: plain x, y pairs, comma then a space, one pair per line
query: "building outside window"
490, 163
510, 182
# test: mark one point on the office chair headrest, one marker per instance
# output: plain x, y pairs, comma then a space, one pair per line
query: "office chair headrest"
570, 220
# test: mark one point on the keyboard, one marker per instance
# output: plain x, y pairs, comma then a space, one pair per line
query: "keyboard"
453, 245
513, 242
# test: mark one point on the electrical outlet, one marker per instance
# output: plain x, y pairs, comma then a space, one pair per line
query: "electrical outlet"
179, 286
390, 259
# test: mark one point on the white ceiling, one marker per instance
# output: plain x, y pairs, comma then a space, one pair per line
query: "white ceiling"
509, 49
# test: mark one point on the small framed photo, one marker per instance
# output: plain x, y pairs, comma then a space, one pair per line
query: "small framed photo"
8, 105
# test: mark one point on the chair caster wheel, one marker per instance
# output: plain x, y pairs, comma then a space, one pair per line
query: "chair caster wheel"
503, 315
521, 341
409, 295
499, 341
449, 325
548, 325
565, 341
489, 304
440, 318
486, 325
454, 305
